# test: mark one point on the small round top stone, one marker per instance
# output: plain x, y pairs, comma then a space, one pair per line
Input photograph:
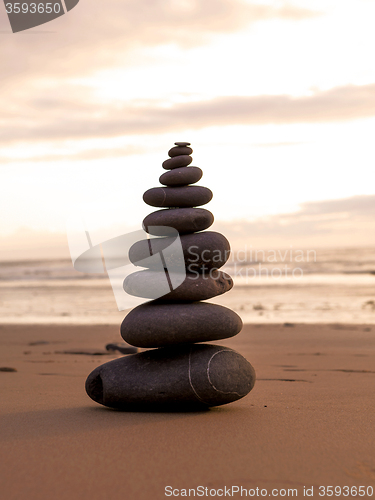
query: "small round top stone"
182, 143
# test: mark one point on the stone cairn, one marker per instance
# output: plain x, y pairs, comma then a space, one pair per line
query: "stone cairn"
176, 373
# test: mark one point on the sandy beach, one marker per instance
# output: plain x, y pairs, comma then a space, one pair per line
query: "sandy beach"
309, 421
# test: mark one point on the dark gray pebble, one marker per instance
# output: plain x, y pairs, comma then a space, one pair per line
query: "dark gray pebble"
181, 176
176, 162
200, 251
182, 143
156, 324
179, 151
124, 349
171, 378
184, 220
153, 285
186, 196
84, 352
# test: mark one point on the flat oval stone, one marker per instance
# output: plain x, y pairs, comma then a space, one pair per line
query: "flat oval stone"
192, 376
176, 162
181, 176
182, 143
156, 324
179, 150
184, 220
206, 250
186, 196
195, 286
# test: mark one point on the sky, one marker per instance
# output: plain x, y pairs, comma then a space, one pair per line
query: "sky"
277, 99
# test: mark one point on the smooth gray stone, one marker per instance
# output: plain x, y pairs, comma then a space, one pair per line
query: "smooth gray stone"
179, 151
157, 324
181, 176
184, 220
206, 250
182, 143
176, 162
84, 352
193, 376
186, 196
124, 349
196, 286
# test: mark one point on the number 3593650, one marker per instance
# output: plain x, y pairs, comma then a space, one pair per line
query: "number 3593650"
33, 8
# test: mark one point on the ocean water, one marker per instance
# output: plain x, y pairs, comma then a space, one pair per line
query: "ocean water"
324, 286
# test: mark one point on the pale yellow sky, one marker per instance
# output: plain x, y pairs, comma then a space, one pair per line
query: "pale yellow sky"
277, 99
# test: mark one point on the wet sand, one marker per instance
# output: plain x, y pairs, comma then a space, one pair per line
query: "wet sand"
308, 422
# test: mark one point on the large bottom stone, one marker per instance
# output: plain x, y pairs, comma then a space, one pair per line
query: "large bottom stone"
172, 378
156, 324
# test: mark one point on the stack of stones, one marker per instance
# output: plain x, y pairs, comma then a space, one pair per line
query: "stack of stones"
176, 372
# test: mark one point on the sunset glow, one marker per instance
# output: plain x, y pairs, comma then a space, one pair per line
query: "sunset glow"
277, 99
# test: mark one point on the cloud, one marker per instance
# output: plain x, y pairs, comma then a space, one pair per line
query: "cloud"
336, 104
363, 206
329, 223
346, 222
99, 33
277, 144
42, 99
79, 117
89, 154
